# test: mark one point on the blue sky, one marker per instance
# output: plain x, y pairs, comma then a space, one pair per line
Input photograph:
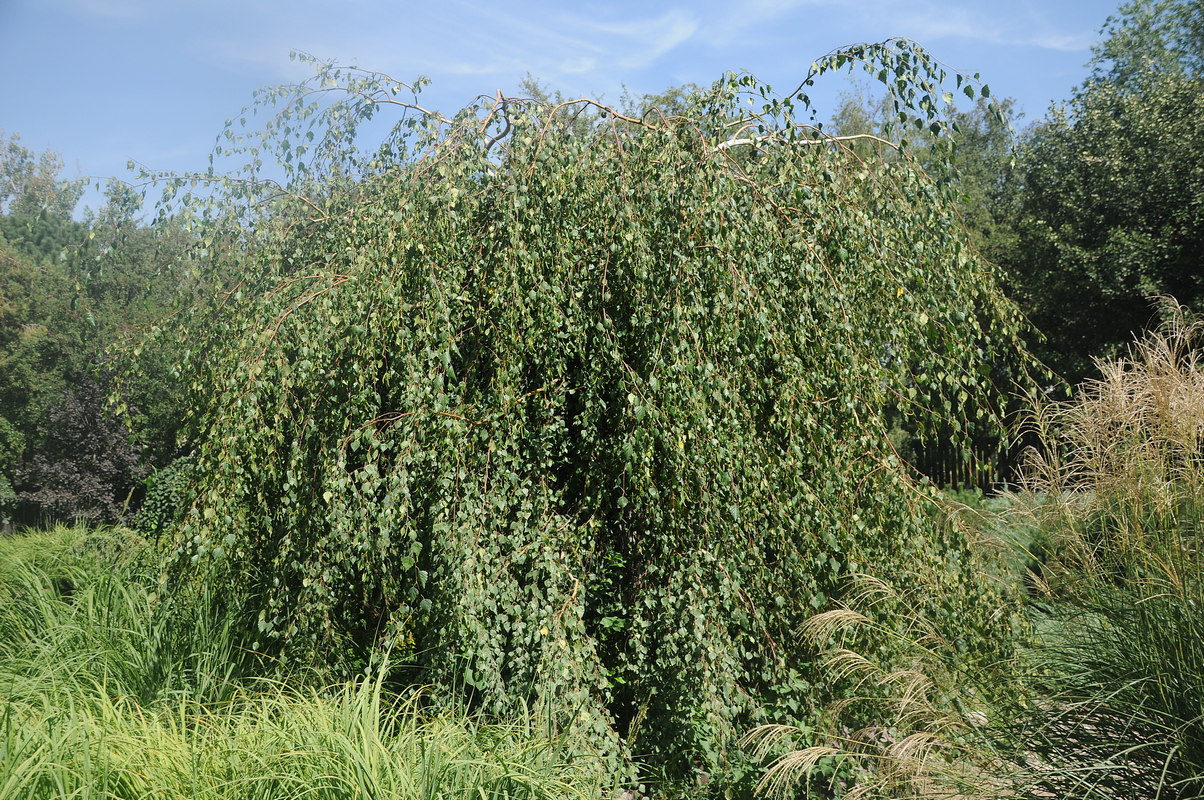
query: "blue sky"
104, 81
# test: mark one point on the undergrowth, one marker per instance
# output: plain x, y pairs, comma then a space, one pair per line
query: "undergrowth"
109, 691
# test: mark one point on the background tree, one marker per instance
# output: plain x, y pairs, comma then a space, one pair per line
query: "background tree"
974, 159
82, 464
72, 294
135, 275
1149, 36
32, 185
11, 446
1110, 208
981, 171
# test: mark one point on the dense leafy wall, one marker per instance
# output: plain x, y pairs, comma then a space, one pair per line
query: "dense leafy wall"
585, 419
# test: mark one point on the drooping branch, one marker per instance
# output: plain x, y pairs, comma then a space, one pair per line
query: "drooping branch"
754, 140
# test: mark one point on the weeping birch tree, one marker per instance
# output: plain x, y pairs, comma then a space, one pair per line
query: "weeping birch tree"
583, 419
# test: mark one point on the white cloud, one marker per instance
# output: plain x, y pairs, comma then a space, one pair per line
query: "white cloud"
731, 21
592, 46
1063, 42
579, 65
1013, 26
456, 37
372, 35
636, 43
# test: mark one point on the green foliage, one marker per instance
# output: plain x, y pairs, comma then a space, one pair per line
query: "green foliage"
1150, 36
11, 445
111, 692
985, 174
1110, 217
132, 277
41, 238
584, 421
166, 497
72, 295
667, 103
30, 185
978, 172
39, 348
1109, 212
982, 166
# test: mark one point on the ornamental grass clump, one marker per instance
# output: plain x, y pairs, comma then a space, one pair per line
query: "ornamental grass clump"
930, 724
1123, 480
82, 608
1105, 696
60, 738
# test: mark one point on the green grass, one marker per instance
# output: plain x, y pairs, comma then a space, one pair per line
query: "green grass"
80, 607
106, 691
350, 741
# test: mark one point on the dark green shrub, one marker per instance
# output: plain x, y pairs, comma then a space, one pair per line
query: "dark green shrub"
11, 445
166, 497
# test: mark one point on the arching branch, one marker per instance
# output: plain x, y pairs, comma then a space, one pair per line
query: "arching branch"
755, 140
